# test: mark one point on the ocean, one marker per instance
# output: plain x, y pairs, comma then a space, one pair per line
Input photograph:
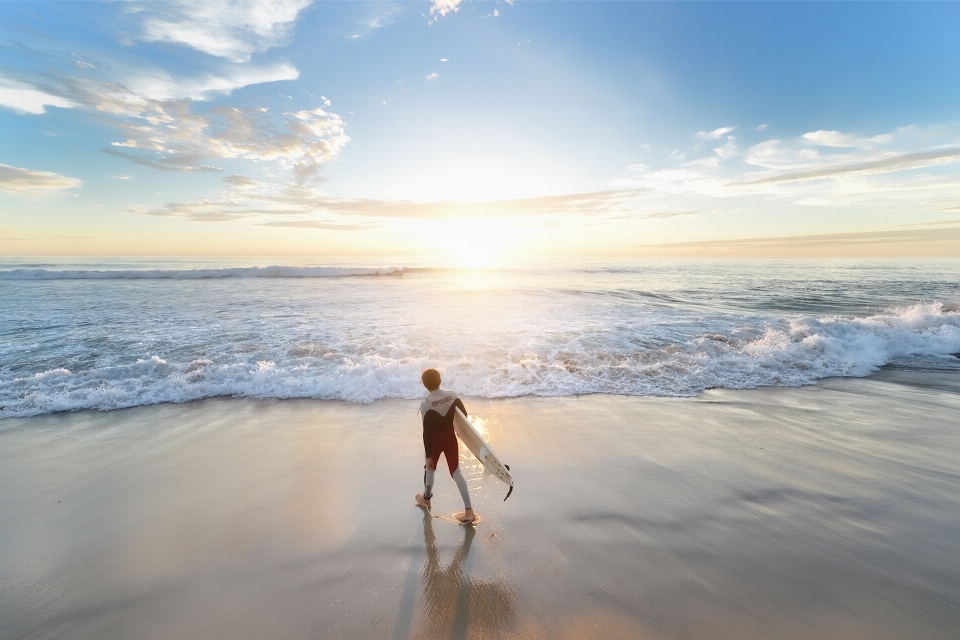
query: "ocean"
104, 334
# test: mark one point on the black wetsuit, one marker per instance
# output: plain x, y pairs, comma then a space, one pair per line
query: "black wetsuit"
438, 434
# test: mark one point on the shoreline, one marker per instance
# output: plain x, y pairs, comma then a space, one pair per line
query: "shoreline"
827, 511
942, 380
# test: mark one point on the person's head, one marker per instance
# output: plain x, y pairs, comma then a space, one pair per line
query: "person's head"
430, 379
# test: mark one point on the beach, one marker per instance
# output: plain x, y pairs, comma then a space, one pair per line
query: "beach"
827, 511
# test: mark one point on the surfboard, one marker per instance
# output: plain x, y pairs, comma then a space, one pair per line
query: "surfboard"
469, 435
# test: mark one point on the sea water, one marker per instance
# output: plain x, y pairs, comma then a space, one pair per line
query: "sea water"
105, 334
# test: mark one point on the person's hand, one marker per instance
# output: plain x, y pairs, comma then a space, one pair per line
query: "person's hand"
429, 465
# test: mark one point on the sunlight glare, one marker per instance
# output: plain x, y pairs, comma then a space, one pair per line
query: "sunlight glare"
480, 243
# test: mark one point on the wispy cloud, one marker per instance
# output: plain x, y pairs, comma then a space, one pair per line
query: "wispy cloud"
940, 242
19, 181
934, 223
233, 29
256, 201
432, 76
665, 215
162, 86
892, 172
846, 140
316, 224
884, 165
716, 134
26, 99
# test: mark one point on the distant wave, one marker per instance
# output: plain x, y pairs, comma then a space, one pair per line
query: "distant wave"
197, 274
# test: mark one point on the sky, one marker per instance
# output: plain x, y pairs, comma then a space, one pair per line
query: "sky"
479, 133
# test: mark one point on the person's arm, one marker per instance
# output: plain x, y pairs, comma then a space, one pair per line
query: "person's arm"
459, 405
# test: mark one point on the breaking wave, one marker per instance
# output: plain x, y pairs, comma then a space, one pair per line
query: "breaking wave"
624, 359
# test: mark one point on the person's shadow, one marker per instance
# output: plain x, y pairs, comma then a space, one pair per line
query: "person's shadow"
451, 601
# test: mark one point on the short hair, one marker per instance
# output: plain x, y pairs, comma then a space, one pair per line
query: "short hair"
430, 379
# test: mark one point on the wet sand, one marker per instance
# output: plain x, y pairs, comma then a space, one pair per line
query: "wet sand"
830, 511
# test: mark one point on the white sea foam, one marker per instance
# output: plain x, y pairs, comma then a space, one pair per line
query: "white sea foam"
195, 274
367, 365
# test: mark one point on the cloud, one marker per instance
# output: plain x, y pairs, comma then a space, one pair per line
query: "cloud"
664, 215
19, 181
315, 224
939, 242
29, 100
837, 139
716, 134
935, 222
885, 165
249, 199
432, 76
728, 150
233, 30
170, 135
161, 86
443, 7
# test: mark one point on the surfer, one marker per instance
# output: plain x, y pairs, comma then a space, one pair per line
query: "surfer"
439, 437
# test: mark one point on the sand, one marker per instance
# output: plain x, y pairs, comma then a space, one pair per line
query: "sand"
830, 511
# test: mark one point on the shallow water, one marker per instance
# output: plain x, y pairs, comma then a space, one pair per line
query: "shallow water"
827, 512
104, 335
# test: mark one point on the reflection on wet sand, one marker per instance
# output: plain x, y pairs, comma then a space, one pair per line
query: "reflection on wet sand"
452, 603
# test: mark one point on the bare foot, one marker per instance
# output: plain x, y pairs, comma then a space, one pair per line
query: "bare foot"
423, 502
467, 516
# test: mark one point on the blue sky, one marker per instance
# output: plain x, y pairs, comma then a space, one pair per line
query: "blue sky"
534, 129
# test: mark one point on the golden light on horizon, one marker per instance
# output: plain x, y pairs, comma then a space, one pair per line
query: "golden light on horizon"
479, 243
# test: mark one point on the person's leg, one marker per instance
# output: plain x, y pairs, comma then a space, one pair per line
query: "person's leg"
452, 454
429, 470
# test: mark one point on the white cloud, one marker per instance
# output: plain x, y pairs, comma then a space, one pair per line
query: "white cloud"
158, 128
432, 76
444, 60
20, 181
232, 29
837, 139
443, 7
257, 201
161, 86
29, 100
761, 127
903, 172
716, 134
900, 162
728, 150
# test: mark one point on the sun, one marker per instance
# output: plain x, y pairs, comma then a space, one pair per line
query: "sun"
480, 243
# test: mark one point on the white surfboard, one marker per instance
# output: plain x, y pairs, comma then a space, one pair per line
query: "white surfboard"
469, 435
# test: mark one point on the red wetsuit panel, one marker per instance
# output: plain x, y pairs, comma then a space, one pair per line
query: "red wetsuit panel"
445, 442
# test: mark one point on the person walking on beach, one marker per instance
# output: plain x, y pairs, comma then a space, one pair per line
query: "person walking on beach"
439, 437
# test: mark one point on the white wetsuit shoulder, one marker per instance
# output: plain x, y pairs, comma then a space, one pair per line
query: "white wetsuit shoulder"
440, 401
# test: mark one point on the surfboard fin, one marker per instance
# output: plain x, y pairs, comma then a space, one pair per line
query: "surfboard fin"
508, 493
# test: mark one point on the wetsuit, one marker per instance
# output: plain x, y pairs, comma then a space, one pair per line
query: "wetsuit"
440, 438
